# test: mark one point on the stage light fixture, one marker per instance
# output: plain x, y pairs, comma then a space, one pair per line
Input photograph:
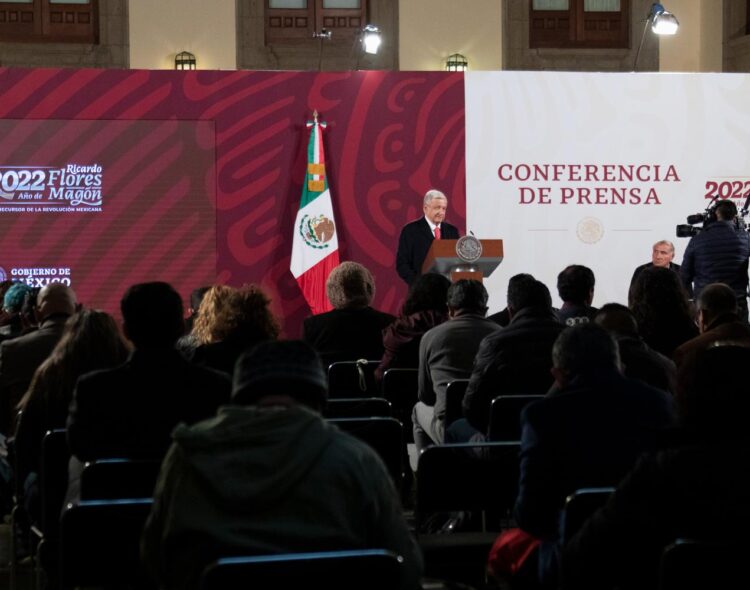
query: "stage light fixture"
662, 22
371, 39
185, 61
456, 63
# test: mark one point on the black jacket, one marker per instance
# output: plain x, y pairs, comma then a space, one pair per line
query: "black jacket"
413, 244
514, 360
718, 254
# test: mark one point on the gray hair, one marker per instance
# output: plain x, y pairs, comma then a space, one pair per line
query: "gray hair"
350, 285
431, 194
667, 242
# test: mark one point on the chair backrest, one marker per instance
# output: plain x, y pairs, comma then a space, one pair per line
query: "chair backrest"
353, 378
53, 479
400, 387
100, 541
366, 569
385, 436
579, 506
110, 479
358, 407
467, 476
505, 416
454, 395
689, 564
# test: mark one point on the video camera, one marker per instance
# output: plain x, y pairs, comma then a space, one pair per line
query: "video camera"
692, 228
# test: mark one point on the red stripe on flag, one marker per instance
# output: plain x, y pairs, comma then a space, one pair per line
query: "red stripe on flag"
313, 283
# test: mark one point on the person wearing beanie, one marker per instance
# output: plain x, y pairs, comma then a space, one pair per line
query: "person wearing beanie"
269, 475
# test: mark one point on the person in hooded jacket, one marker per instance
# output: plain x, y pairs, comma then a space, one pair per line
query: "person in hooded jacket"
269, 475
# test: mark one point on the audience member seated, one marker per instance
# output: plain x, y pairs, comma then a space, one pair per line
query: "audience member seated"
269, 475
514, 360
90, 341
587, 433
13, 298
129, 411
242, 321
718, 322
502, 317
21, 356
211, 306
352, 330
424, 308
575, 285
447, 353
696, 491
639, 361
661, 307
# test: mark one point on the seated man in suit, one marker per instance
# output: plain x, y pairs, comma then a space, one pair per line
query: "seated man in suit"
269, 475
130, 411
417, 236
662, 255
352, 330
587, 433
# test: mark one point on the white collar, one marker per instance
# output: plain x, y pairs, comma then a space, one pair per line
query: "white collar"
432, 225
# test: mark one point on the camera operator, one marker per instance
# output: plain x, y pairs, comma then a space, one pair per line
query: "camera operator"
719, 254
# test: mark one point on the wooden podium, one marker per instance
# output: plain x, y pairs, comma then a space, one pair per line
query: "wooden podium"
443, 258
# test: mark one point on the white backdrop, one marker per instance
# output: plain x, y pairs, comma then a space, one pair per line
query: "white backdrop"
694, 127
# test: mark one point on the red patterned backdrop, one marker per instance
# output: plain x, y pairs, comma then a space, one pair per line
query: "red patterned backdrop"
390, 137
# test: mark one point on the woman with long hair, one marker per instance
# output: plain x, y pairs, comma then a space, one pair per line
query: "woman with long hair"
91, 340
661, 307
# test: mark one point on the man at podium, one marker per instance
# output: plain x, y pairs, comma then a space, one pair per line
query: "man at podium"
416, 236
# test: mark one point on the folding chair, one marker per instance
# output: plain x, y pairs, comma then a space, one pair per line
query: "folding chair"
358, 407
366, 569
579, 506
352, 378
110, 479
689, 564
505, 416
100, 543
385, 436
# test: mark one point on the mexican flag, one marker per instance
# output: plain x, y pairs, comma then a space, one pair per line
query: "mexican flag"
315, 251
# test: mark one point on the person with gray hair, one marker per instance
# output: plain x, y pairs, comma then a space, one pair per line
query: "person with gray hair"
446, 353
352, 330
587, 432
269, 475
662, 255
417, 236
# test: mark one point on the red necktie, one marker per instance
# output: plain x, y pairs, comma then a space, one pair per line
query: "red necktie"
437, 232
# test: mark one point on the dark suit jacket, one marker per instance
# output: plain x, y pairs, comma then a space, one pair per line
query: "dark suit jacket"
413, 245
347, 334
587, 434
130, 411
19, 359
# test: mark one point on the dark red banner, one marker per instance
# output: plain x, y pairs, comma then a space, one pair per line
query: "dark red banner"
110, 177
